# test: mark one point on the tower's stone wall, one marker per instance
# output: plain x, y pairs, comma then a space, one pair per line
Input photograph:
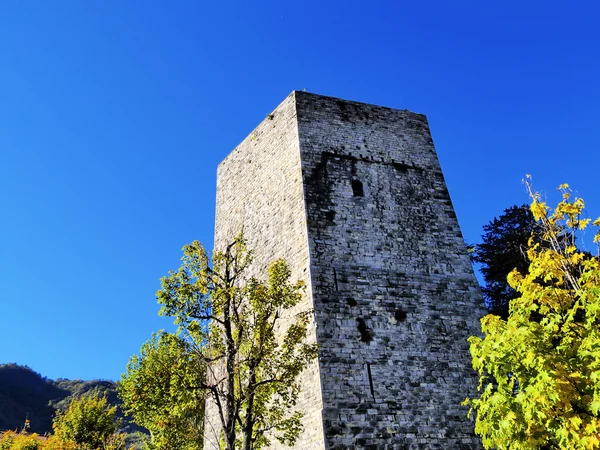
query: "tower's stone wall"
353, 197
394, 292
260, 192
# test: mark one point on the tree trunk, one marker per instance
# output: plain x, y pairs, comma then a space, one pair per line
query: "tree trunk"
249, 422
230, 363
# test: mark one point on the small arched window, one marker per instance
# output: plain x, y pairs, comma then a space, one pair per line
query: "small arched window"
357, 188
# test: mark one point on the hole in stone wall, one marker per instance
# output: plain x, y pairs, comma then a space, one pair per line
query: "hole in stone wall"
330, 215
357, 188
351, 301
400, 315
366, 334
401, 167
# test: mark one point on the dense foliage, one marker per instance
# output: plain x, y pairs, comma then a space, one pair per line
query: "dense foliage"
89, 423
503, 248
160, 392
540, 368
243, 345
11, 440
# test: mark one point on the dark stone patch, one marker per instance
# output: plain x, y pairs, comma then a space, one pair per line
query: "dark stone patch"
366, 333
400, 315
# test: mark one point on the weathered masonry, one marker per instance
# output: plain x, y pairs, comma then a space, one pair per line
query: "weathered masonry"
353, 197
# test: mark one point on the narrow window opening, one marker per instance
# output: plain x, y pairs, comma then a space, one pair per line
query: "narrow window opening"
370, 380
335, 282
357, 188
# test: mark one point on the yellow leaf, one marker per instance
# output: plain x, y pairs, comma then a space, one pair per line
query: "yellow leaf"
538, 209
584, 223
576, 422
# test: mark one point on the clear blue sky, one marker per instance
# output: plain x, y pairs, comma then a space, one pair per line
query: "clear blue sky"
115, 114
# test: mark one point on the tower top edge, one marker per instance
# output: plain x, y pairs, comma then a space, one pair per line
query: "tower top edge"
308, 96
302, 101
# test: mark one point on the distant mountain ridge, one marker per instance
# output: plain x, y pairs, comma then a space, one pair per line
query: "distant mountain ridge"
25, 394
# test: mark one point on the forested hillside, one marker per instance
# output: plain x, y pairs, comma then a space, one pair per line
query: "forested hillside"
24, 393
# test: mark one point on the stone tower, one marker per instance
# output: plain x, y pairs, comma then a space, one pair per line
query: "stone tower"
353, 197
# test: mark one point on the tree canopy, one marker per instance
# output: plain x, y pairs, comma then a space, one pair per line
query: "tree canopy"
160, 391
540, 368
90, 424
503, 248
240, 342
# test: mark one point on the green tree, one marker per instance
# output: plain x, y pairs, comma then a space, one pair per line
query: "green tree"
540, 368
90, 424
243, 331
503, 248
160, 391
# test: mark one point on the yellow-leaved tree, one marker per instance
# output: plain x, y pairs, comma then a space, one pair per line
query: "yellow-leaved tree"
11, 440
540, 368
